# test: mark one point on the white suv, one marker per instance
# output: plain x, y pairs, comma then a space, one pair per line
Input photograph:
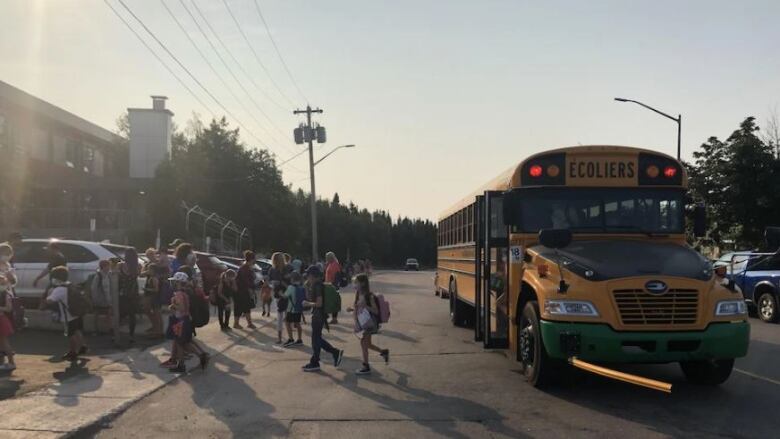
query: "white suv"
30, 259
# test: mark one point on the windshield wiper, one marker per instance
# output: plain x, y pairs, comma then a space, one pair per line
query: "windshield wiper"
637, 229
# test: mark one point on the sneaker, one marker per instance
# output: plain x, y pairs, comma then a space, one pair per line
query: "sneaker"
168, 363
365, 370
311, 367
70, 356
337, 357
288, 343
334, 321
204, 360
179, 368
386, 355
298, 342
237, 326
251, 326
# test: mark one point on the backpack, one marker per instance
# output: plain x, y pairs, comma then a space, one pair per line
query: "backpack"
331, 300
384, 308
97, 296
341, 280
298, 298
199, 310
79, 304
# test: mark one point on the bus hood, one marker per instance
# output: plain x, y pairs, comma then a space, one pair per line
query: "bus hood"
600, 260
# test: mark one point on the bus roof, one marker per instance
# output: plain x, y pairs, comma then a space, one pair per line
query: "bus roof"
511, 177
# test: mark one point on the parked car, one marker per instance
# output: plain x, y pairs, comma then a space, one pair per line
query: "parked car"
262, 264
412, 264
211, 268
757, 275
30, 259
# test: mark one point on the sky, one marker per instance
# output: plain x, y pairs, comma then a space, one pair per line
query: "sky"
439, 96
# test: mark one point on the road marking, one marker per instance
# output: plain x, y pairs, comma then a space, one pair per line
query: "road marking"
758, 377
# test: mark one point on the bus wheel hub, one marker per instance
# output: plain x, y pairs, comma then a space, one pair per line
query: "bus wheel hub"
527, 343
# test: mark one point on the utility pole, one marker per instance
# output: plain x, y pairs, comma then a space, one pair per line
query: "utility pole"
308, 134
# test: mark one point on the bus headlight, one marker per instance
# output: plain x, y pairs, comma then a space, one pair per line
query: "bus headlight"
730, 308
570, 308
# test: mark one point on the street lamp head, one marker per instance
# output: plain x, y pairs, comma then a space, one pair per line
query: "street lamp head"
621, 99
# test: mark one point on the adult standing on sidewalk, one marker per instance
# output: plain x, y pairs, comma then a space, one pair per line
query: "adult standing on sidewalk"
55, 259
244, 298
332, 276
318, 321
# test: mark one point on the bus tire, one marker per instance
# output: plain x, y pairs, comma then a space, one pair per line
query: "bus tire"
767, 307
538, 368
707, 372
457, 308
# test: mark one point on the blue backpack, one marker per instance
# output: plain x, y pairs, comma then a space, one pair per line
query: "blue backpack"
298, 298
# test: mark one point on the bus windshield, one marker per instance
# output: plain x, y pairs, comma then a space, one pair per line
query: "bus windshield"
602, 210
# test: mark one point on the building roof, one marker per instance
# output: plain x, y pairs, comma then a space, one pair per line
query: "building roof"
28, 101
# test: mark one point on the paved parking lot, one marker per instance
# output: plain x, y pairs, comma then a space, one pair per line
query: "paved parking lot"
441, 384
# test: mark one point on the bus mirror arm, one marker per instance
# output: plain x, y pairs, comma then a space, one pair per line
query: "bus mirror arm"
563, 287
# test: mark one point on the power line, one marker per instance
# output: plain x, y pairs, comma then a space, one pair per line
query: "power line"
278, 52
257, 57
214, 70
149, 48
200, 84
291, 158
227, 67
230, 53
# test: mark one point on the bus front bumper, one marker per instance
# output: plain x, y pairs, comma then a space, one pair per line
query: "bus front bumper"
600, 343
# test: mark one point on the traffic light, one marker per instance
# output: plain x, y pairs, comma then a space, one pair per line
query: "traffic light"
321, 136
298, 135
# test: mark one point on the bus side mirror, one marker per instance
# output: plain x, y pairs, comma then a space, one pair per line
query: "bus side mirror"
699, 221
555, 238
512, 210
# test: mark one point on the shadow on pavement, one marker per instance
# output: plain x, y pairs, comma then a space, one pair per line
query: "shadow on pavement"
422, 400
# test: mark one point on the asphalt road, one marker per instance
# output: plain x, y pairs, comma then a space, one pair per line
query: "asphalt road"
439, 383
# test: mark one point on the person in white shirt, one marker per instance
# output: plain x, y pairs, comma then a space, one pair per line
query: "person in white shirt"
74, 325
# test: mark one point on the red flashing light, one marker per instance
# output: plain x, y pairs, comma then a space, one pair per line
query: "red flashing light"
535, 171
670, 171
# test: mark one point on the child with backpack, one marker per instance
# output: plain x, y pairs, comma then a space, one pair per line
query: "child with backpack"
296, 295
99, 284
6, 323
367, 319
71, 311
180, 328
319, 321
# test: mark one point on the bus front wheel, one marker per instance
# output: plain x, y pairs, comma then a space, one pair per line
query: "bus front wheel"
707, 372
538, 368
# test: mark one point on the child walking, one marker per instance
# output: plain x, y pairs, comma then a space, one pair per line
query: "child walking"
226, 289
318, 322
295, 295
180, 328
366, 310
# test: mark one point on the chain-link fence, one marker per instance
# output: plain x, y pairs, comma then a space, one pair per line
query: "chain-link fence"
214, 233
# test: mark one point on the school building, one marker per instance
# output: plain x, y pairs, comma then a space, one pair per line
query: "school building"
69, 178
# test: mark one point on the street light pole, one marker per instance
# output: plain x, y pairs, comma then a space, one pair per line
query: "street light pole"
677, 119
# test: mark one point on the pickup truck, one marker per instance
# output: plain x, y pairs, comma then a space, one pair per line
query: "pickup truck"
757, 276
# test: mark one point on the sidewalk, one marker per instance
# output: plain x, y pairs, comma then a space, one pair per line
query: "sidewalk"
92, 391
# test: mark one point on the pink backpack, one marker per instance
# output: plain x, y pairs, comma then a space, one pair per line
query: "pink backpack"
384, 308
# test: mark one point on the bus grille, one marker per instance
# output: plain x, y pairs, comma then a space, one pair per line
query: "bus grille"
676, 306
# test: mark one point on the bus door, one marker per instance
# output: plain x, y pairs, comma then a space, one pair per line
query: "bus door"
495, 272
479, 227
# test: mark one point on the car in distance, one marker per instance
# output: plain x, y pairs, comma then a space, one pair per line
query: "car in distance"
412, 264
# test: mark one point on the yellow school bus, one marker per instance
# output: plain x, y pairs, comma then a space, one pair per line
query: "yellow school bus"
580, 253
